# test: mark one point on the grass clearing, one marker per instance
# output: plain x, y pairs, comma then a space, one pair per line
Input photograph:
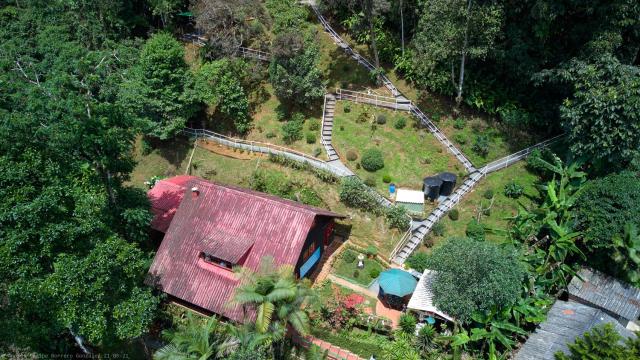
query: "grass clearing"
409, 154
170, 158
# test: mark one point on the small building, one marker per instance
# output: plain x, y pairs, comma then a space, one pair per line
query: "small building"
566, 321
412, 200
619, 300
215, 228
421, 302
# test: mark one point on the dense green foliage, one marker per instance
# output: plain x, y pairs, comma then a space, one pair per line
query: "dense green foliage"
156, 93
397, 218
474, 276
70, 230
355, 194
602, 342
372, 160
605, 206
218, 84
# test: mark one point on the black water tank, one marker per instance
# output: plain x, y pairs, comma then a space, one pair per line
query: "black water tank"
448, 183
431, 187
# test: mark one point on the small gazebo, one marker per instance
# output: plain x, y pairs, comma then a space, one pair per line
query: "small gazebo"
396, 287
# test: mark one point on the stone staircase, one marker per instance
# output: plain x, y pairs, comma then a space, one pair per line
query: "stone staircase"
327, 126
422, 228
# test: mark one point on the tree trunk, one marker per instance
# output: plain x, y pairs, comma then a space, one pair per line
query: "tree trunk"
463, 58
372, 33
402, 27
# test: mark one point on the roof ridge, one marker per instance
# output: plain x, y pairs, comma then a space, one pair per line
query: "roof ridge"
303, 208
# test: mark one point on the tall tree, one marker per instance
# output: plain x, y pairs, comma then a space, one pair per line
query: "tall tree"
449, 34
602, 116
294, 71
156, 94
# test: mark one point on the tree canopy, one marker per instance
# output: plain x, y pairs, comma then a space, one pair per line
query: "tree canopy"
474, 276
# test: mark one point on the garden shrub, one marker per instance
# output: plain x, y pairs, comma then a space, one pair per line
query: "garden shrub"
417, 261
317, 151
381, 119
352, 155
400, 123
363, 117
386, 178
270, 135
371, 251
460, 139
488, 194
314, 126
513, 190
281, 113
374, 127
454, 214
311, 138
374, 273
475, 230
372, 160
341, 128
354, 193
356, 274
459, 123
397, 218
347, 107
370, 181
298, 117
348, 256
438, 229
291, 131
407, 323
602, 342
481, 145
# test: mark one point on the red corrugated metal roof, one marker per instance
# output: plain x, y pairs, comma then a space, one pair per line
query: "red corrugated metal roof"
277, 228
165, 197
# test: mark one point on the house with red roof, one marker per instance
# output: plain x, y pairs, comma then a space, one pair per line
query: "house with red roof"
211, 228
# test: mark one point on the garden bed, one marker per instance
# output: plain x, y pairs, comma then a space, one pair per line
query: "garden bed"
345, 266
409, 153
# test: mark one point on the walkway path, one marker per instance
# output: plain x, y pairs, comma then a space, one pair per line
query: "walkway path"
333, 352
349, 285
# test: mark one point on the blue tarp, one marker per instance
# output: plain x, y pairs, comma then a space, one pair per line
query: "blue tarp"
313, 259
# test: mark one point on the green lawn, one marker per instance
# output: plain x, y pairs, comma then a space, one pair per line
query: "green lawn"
349, 270
409, 154
171, 158
502, 208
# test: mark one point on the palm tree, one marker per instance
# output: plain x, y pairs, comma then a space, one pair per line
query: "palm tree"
193, 340
278, 299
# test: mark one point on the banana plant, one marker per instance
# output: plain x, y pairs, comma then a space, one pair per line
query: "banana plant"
495, 329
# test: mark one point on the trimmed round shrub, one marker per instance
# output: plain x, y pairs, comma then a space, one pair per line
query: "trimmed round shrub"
311, 138
341, 128
400, 123
386, 178
488, 194
356, 274
352, 155
370, 181
513, 190
454, 214
291, 131
348, 256
374, 273
314, 126
381, 119
347, 107
372, 160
